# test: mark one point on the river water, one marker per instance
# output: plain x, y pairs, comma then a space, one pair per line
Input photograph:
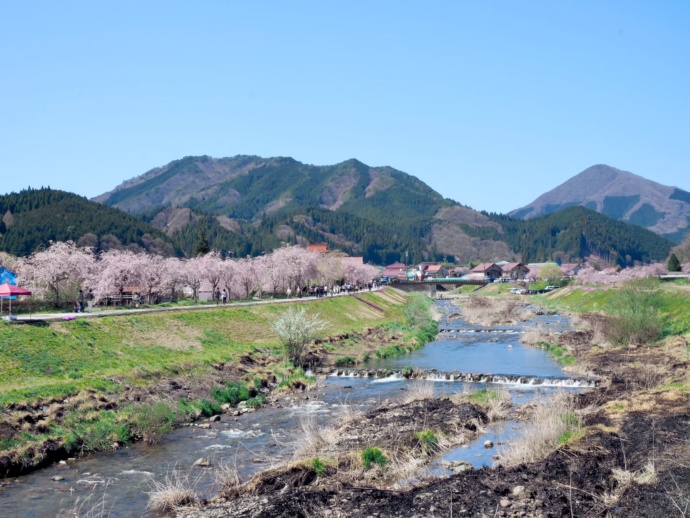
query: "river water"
254, 441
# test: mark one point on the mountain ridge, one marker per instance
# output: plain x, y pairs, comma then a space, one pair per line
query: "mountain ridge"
621, 195
250, 204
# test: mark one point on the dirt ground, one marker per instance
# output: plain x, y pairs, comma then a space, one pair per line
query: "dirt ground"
632, 461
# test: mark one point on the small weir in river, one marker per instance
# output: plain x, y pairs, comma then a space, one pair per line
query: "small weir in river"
254, 441
500, 379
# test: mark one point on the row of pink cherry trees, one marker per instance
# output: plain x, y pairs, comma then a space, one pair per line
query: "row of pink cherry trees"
58, 272
609, 277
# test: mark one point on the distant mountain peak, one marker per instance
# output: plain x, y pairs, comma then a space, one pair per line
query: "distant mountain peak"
621, 195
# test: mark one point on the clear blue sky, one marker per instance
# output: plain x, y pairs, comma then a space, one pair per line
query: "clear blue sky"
490, 103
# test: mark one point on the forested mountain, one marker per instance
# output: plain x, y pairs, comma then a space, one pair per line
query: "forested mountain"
577, 232
246, 204
620, 195
257, 203
32, 218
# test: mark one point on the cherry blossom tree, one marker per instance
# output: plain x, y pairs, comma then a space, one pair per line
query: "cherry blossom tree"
300, 265
116, 270
611, 276
171, 275
56, 271
247, 279
193, 275
273, 277
228, 273
152, 268
211, 266
359, 273
329, 269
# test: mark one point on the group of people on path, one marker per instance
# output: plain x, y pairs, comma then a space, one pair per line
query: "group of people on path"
219, 296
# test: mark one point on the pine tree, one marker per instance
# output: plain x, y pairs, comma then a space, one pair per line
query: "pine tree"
202, 245
674, 264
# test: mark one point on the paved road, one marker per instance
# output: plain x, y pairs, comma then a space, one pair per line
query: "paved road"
98, 313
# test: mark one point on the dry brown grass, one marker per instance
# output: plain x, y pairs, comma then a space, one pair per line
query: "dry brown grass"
226, 478
550, 420
497, 407
89, 506
312, 439
490, 311
419, 391
535, 335
495, 402
177, 489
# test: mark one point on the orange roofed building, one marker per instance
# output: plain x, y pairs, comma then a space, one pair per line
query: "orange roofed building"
317, 247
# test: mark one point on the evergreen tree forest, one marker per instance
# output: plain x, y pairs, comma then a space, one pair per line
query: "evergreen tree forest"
34, 217
577, 232
392, 228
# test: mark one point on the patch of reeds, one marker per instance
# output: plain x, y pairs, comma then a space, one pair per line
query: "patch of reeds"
90, 506
419, 391
490, 311
312, 438
495, 402
551, 424
177, 489
225, 478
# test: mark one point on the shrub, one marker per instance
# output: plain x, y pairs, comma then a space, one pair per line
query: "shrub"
152, 421
319, 466
372, 456
345, 361
416, 312
636, 313
206, 407
233, 393
257, 401
428, 440
295, 328
184, 407
557, 352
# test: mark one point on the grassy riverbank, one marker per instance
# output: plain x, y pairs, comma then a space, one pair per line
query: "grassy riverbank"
79, 386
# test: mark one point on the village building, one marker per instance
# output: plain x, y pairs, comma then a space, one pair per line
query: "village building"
318, 247
514, 271
570, 269
435, 271
418, 271
395, 271
488, 270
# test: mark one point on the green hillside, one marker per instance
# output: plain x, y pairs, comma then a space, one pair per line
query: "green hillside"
32, 218
579, 232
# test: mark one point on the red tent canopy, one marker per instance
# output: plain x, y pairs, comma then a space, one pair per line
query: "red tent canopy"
7, 290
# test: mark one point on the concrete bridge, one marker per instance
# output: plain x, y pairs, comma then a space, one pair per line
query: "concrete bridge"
433, 286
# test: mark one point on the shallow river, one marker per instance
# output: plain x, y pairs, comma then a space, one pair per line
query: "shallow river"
254, 441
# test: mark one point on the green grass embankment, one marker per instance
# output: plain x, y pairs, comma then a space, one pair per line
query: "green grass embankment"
669, 299
67, 387
61, 358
